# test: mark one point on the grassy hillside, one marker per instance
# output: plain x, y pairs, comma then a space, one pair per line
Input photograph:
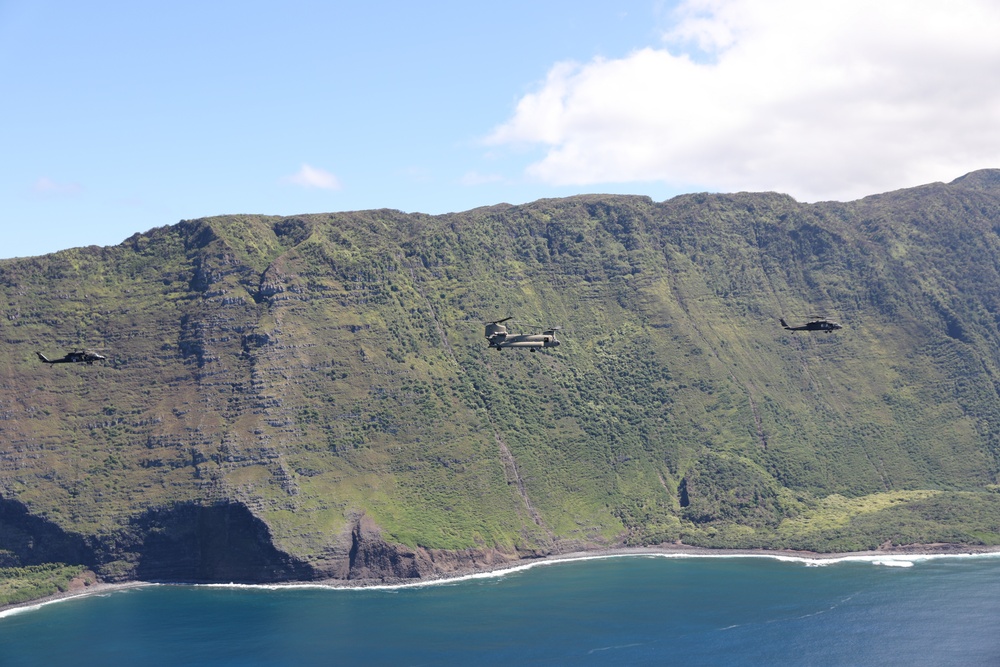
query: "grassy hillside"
317, 368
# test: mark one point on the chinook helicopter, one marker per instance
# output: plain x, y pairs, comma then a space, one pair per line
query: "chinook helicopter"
496, 334
821, 324
74, 357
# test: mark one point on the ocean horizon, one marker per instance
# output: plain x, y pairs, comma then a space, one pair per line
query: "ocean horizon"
614, 609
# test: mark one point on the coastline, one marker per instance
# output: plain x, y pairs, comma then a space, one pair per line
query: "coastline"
902, 556
92, 589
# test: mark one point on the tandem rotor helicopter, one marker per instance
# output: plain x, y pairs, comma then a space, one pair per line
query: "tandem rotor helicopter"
74, 357
497, 336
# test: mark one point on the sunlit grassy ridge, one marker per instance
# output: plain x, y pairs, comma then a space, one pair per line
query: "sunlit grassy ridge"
318, 367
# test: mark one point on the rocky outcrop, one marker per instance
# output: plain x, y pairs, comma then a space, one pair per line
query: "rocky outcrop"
373, 559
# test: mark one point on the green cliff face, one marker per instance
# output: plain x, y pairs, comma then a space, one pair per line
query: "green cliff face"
289, 392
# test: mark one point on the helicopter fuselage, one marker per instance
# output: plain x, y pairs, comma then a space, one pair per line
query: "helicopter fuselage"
533, 341
828, 326
498, 338
79, 356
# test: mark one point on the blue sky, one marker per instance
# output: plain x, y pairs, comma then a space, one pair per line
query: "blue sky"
118, 117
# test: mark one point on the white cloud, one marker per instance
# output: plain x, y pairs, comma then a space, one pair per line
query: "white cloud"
311, 177
822, 100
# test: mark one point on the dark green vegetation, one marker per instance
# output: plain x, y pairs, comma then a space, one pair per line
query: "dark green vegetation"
272, 380
20, 584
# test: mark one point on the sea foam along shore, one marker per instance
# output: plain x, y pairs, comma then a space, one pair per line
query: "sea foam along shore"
93, 589
894, 557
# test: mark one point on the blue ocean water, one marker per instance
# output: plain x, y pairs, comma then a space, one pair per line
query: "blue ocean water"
628, 611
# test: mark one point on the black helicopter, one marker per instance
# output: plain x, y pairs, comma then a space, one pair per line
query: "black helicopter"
820, 324
497, 336
74, 357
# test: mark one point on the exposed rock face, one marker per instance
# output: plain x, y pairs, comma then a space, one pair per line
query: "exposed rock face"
372, 558
370, 555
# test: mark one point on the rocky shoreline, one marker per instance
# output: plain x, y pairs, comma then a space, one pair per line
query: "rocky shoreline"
86, 584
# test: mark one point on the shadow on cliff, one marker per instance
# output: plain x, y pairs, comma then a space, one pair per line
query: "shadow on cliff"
186, 542
210, 543
221, 543
26, 539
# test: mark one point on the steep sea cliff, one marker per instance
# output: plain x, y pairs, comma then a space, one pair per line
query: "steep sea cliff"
310, 398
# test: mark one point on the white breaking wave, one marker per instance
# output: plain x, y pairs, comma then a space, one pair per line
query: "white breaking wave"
84, 594
907, 560
884, 560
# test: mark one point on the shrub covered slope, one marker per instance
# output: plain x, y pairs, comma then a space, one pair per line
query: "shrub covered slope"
273, 381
